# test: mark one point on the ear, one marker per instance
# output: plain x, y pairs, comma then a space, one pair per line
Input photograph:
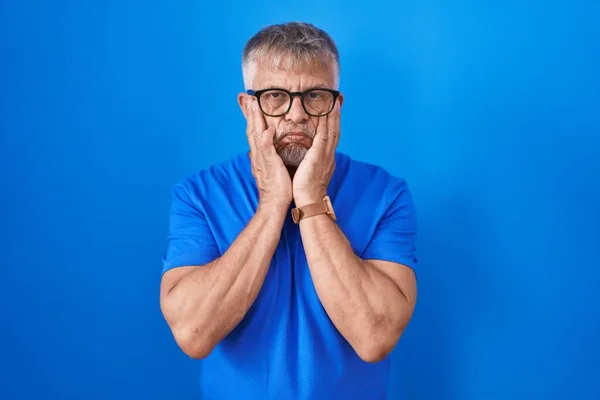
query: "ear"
243, 100
340, 99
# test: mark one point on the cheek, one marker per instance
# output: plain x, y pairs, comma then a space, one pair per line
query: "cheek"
273, 121
313, 122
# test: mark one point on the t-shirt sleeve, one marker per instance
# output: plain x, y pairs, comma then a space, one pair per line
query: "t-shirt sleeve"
190, 240
395, 235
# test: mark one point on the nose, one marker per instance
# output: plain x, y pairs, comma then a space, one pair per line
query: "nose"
296, 113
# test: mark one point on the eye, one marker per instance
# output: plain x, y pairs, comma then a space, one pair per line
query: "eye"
274, 96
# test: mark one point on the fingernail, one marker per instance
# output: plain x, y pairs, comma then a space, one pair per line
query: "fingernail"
253, 105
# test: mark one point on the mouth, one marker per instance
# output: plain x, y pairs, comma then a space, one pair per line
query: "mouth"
295, 134
294, 137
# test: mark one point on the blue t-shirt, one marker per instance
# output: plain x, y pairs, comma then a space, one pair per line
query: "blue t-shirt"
286, 347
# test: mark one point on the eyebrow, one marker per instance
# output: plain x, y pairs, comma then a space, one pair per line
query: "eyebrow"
317, 86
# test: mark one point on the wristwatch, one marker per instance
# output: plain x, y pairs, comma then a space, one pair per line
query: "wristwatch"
310, 210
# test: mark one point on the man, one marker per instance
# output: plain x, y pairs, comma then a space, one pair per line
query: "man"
289, 269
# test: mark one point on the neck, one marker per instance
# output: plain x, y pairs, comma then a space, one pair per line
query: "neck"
292, 171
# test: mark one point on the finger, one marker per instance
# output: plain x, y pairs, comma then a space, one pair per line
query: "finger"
248, 114
250, 135
250, 125
264, 142
333, 128
263, 137
258, 117
321, 138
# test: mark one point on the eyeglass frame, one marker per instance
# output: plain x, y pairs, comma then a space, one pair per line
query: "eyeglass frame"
258, 93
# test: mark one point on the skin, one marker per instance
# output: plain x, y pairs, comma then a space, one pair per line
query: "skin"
370, 302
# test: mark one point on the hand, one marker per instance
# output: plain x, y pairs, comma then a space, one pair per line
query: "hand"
312, 177
272, 177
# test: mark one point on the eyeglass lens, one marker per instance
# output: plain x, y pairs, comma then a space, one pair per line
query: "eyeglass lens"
277, 102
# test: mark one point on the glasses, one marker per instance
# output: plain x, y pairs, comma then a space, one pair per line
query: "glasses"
277, 102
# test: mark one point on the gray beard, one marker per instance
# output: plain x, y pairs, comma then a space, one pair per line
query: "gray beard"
293, 154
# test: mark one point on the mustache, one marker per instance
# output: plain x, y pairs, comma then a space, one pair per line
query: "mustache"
305, 129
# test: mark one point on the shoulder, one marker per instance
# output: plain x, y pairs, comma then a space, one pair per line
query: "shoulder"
371, 202
222, 176
371, 180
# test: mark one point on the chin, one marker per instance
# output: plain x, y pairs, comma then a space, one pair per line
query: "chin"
293, 154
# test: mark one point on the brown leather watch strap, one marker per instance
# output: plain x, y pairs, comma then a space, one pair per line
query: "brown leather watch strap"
310, 210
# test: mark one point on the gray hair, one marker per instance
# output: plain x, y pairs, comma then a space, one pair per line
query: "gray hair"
291, 45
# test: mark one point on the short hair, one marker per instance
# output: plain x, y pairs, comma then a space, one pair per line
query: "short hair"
291, 45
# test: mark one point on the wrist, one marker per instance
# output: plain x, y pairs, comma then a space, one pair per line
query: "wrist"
274, 206
302, 199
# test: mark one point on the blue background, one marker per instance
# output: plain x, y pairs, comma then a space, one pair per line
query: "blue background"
491, 110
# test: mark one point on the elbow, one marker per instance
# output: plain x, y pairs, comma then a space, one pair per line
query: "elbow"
192, 339
196, 352
192, 343
379, 343
373, 352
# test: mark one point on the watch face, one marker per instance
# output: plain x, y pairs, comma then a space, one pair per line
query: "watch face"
330, 211
295, 215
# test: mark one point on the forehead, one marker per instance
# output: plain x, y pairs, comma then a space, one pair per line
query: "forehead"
297, 78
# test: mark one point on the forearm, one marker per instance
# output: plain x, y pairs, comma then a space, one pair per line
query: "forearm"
364, 304
207, 303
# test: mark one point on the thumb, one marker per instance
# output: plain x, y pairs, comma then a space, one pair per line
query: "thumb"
266, 139
270, 133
